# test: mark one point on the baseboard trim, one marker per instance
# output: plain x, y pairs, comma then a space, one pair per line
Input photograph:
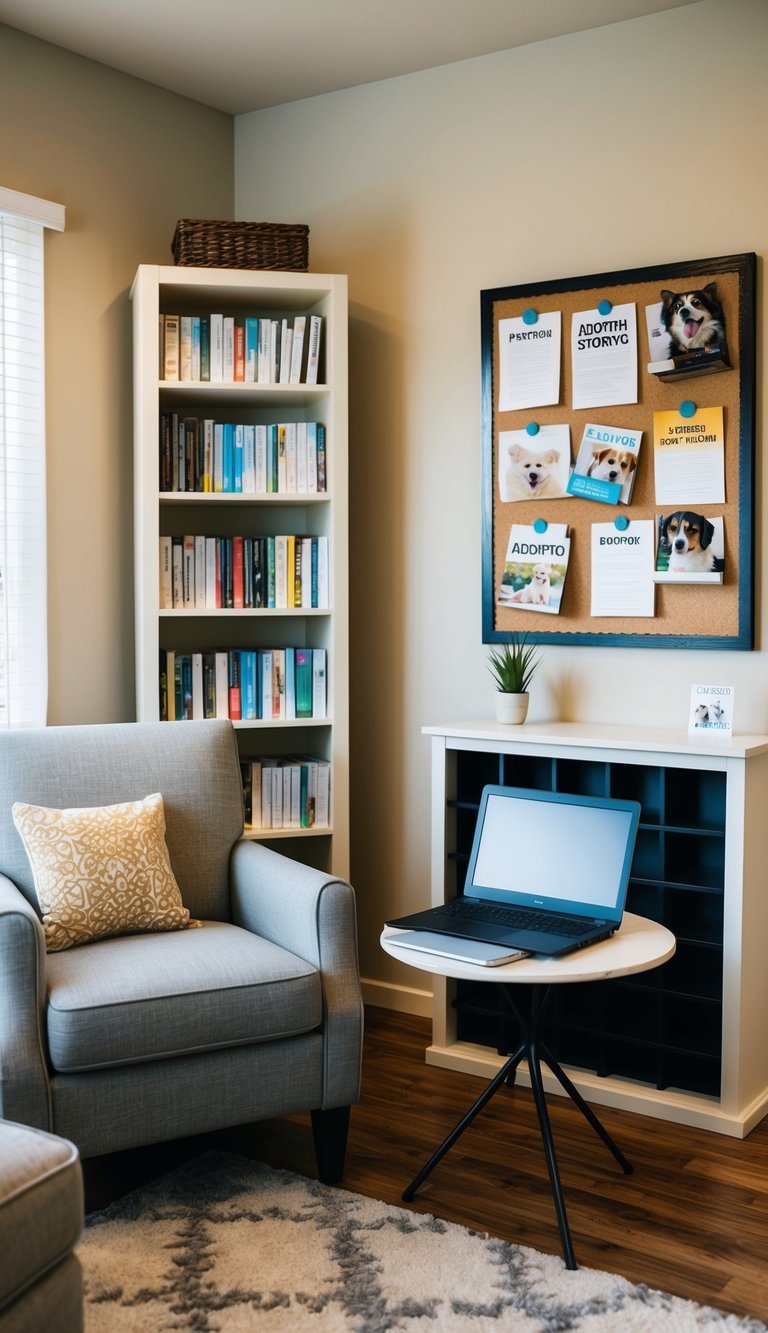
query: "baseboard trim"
403, 999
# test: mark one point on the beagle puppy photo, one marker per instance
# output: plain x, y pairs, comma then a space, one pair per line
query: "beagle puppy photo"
689, 543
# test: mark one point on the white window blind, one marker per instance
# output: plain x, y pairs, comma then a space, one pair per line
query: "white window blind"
23, 616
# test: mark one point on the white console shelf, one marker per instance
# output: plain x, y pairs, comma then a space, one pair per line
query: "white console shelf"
685, 1042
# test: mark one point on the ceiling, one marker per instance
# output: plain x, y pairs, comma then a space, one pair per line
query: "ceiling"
243, 55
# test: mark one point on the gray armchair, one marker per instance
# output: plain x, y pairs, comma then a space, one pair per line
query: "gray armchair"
142, 1038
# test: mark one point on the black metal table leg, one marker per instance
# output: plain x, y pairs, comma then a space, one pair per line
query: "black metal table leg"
466, 1120
537, 1087
586, 1111
528, 1003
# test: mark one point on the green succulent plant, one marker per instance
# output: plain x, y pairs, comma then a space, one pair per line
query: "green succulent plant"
512, 666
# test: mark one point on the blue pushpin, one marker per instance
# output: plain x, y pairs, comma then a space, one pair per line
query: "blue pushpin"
622, 523
530, 316
604, 307
687, 408
532, 428
540, 525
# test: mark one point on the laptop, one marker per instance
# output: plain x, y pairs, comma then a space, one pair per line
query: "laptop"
452, 946
548, 872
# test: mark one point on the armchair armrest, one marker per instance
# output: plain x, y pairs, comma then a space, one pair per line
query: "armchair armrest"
24, 1091
311, 914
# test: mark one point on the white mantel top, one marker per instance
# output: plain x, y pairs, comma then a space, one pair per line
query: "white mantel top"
600, 736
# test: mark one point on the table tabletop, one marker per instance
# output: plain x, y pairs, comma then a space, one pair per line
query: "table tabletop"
638, 945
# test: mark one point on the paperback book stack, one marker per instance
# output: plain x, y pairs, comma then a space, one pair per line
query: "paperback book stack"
244, 684
292, 792
233, 349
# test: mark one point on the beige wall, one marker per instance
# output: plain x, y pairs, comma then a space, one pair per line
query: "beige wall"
127, 160
634, 144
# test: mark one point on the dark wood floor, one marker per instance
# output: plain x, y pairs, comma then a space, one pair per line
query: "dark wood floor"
692, 1219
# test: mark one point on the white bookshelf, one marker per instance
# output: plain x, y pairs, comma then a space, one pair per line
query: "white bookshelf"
165, 289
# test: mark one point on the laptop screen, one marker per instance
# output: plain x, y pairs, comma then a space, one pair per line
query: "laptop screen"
553, 850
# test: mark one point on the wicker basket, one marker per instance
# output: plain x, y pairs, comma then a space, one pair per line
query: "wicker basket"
276, 245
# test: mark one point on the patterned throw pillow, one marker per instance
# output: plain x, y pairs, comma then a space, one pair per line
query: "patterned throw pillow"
101, 871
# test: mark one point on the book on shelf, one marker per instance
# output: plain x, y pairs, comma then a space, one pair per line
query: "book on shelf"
313, 349
239, 352
205, 350
166, 573
297, 349
188, 570
171, 346
200, 599
319, 683
286, 341
228, 349
217, 348
185, 347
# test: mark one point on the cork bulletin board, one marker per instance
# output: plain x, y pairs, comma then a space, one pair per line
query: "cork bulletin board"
685, 615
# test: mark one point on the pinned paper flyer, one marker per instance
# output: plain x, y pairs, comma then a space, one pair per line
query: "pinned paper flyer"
689, 457
534, 467
711, 711
622, 569
534, 568
529, 361
606, 464
604, 356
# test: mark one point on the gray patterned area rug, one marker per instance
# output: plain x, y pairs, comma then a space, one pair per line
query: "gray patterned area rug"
226, 1243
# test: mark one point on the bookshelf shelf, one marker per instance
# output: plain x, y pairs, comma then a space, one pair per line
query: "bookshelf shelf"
237, 498
161, 290
686, 1041
245, 613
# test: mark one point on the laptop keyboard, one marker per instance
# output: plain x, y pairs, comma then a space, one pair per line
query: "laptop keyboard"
517, 918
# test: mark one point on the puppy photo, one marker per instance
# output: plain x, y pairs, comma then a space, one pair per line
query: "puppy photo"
535, 593
701, 713
530, 475
717, 712
693, 320
616, 465
693, 543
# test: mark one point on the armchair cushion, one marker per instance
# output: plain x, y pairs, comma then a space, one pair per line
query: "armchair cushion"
133, 1000
100, 870
41, 1217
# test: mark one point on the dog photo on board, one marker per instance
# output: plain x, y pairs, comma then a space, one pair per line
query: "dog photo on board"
606, 464
690, 548
688, 324
534, 467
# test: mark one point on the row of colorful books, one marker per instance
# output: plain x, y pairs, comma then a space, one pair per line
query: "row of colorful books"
293, 792
279, 458
240, 349
206, 573
244, 684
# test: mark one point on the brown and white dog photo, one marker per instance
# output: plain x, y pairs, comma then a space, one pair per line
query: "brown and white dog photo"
689, 537
616, 465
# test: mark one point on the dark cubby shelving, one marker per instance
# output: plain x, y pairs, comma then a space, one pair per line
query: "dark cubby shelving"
663, 1027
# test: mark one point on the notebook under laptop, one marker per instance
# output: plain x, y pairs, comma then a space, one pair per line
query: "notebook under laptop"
548, 872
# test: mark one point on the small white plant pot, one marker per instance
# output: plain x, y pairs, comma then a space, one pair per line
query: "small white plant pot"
511, 708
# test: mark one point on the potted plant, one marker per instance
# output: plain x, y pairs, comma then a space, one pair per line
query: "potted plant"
512, 667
